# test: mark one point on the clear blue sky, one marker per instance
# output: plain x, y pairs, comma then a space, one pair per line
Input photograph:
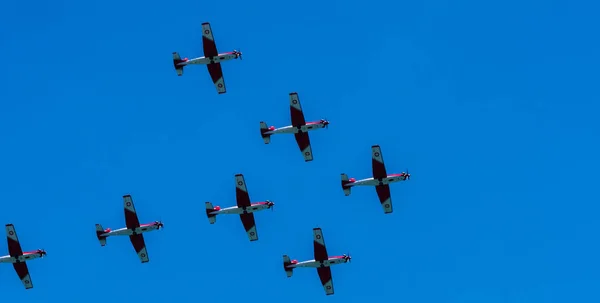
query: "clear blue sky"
493, 107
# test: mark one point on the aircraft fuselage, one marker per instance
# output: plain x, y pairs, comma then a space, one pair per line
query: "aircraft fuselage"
210, 60
375, 182
296, 129
128, 232
315, 264
19, 259
234, 210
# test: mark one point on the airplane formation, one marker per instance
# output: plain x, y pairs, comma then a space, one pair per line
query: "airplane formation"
244, 207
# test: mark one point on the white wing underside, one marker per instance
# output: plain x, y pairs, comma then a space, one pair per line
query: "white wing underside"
143, 255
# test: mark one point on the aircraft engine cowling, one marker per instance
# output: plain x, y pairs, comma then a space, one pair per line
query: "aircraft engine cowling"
272, 128
217, 207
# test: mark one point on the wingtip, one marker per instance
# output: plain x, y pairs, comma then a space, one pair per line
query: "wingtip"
127, 196
293, 93
9, 224
374, 146
205, 23
239, 175
317, 228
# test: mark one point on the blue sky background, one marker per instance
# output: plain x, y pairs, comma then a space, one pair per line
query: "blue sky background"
493, 106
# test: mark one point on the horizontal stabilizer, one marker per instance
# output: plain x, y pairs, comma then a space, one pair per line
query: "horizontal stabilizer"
263, 129
345, 183
286, 261
176, 61
212, 218
99, 232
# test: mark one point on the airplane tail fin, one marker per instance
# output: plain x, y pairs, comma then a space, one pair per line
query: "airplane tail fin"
99, 232
263, 129
345, 182
212, 218
176, 61
289, 271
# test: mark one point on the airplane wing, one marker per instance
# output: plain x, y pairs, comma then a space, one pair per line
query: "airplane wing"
383, 191
14, 249
216, 74
241, 192
296, 110
378, 165
249, 226
319, 244
210, 50
326, 279
303, 141
321, 255
243, 200
297, 117
23, 273
131, 218
140, 247
208, 41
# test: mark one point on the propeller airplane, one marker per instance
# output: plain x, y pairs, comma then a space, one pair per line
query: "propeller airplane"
322, 262
211, 58
244, 208
133, 229
18, 258
380, 180
299, 128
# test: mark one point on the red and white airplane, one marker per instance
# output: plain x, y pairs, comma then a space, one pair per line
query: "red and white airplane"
380, 180
211, 58
322, 262
244, 208
299, 128
133, 229
18, 258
